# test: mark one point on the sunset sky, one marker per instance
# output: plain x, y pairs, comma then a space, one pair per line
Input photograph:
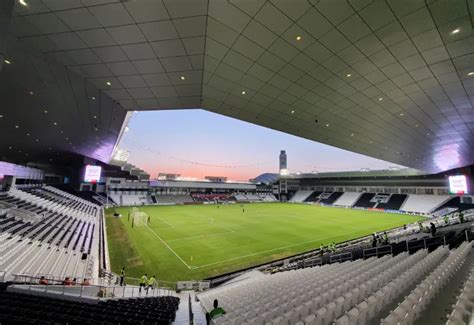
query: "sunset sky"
197, 143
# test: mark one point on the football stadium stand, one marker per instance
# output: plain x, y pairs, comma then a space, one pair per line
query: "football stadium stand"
365, 201
424, 203
314, 197
49, 231
301, 196
346, 293
394, 202
348, 199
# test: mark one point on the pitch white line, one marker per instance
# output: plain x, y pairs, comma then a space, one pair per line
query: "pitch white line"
279, 248
169, 225
168, 246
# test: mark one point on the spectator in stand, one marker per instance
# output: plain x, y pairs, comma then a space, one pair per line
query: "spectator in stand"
151, 283
67, 281
385, 238
86, 282
446, 219
43, 281
143, 282
374, 240
217, 311
461, 217
433, 229
421, 226
122, 277
74, 281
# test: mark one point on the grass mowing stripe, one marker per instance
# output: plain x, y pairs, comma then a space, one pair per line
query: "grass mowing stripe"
288, 246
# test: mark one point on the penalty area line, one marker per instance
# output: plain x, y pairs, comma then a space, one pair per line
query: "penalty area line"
168, 246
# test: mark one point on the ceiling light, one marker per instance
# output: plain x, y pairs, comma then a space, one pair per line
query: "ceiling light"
348, 75
36, 140
298, 38
183, 78
95, 116
49, 148
470, 73
27, 134
31, 93
416, 125
67, 138
427, 134
292, 112
108, 83
23, 3
55, 123
26, 154
455, 31
10, 147
17, 126
380, 99
50, 159
352, 134
370, 141
243, 92
1, 116
327, 125
96, 129
7, 62
401, 114
93, 98
62, 131
46, 111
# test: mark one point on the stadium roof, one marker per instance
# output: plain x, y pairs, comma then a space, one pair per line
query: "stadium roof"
391, 79
362, 173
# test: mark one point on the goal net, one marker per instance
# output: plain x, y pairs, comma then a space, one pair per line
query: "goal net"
138, 217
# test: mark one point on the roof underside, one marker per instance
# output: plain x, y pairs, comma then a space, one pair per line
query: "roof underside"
385, 78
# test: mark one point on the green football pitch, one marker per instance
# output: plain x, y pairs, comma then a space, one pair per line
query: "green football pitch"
198, 241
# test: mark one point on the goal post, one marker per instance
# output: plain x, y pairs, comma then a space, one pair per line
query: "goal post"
138, 218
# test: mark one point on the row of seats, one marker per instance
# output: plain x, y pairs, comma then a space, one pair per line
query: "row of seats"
58, 243
367, 310
25, 309
463, 308
417, 301
318, 294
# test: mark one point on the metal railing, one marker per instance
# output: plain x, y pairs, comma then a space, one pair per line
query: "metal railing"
93, 289
377, 251
342, 257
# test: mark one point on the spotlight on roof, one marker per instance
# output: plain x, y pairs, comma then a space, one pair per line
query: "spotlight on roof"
455, 31
23, 3
470, 73
298, 38
243, 92
348, 75
183, 78
7, 61
108, 83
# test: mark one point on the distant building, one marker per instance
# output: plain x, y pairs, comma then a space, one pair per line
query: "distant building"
283, 163
218, 179
168, 176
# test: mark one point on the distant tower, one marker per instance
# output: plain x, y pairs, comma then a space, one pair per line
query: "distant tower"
283, 164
